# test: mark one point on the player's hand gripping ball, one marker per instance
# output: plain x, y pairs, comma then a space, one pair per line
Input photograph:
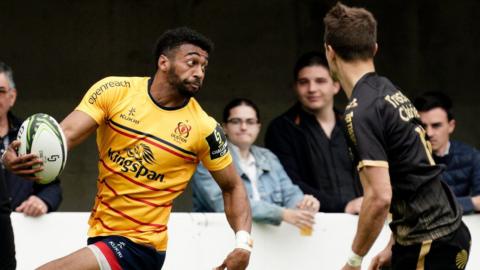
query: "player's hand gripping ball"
42, 135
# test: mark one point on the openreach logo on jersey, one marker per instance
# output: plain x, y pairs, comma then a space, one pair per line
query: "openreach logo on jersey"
99, 91
136, 160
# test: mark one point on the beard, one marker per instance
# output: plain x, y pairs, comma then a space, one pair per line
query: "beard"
182, 86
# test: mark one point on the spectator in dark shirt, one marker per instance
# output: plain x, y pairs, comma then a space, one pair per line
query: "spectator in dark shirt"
7, 246
309, 139
25, 196
462, 161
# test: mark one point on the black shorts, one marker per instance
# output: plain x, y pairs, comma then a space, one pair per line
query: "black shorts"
117, 252
7, 245
446, 253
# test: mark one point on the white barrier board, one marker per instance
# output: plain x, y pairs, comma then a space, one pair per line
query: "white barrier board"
201, 241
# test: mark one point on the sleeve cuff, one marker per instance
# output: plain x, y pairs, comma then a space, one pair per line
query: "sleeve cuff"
372, 163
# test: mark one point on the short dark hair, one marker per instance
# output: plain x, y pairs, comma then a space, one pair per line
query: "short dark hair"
4, 68
309, 59
351, 31
174, 38
434, 99
237, 102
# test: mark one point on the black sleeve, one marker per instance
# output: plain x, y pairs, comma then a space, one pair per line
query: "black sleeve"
365, 128
50, 193
279, 141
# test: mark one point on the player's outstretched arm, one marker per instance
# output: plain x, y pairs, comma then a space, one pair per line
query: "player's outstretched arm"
237, 210
77, 126
376, 203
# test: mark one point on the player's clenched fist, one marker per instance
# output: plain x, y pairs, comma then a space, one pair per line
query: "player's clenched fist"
236, 260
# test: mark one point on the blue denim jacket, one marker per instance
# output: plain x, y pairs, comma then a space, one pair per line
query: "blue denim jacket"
275, 187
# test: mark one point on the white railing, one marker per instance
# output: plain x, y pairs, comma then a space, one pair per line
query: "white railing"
201, 241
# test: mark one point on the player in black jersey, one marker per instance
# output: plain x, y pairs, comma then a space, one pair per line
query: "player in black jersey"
393, 158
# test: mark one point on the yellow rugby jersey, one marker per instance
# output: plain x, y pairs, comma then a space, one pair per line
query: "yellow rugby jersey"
147, 156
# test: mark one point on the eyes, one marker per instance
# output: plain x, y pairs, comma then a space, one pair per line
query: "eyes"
306, 81
434, 125
195, 61
239, 121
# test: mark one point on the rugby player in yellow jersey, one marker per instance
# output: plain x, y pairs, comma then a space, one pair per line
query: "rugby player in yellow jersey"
151, 134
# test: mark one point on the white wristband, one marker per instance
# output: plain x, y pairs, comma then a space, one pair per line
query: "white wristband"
243, 240
354, 260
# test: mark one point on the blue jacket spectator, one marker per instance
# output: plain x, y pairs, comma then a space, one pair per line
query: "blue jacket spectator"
462, 162
462, 173
275, 188
273, 196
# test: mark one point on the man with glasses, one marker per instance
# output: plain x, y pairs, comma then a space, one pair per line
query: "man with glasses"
273, 196
30, 198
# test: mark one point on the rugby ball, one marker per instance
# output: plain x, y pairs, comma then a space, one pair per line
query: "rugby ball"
42, 135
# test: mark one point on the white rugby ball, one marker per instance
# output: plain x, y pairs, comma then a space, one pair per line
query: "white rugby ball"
42, 135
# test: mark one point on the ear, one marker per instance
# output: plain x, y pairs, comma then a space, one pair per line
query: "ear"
163, 63
451, 126
329, 53
375, 50
12, 96
336, 86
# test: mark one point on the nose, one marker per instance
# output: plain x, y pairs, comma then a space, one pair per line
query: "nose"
243, 125
312, 87
429, 131
199, 73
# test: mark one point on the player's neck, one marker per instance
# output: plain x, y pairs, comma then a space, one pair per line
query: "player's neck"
349, 73
164, 94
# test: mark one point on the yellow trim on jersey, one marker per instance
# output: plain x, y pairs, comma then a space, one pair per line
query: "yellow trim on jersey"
372, 163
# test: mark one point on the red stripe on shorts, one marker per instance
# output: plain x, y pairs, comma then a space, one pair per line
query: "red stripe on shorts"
108, 253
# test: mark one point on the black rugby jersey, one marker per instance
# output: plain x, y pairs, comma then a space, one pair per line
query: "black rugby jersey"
383, 129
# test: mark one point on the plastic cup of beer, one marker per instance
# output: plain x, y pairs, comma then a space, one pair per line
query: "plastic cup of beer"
306, 231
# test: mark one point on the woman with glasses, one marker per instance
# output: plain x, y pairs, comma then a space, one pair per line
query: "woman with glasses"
273, 196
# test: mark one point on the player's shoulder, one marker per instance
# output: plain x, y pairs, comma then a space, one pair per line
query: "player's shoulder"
121, 84
121, 81
371, 92
203, 119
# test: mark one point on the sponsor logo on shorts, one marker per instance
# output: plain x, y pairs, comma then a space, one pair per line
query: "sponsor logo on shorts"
181, 132
136, 161
117, 248
130, 116
99, 91
461, 259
